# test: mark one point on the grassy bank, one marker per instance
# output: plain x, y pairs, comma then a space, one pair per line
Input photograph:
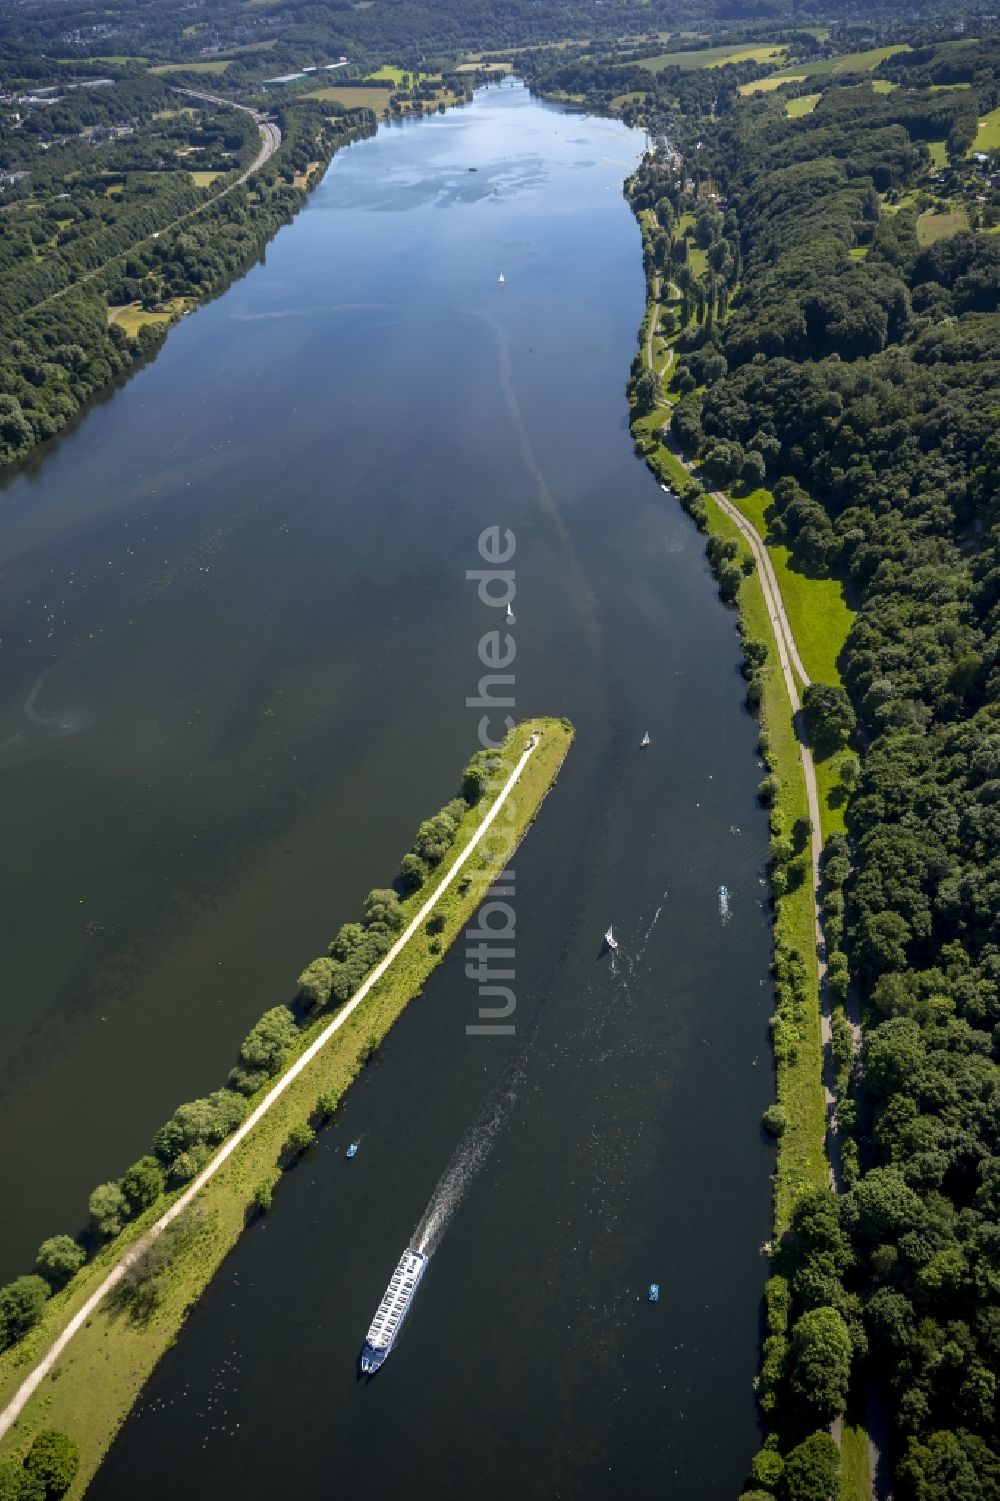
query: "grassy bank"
796, 1033
802, 1162
798, 1044
817, 610
820, 619
99, 1376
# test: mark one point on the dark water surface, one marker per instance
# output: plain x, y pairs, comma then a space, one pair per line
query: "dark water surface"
237, 640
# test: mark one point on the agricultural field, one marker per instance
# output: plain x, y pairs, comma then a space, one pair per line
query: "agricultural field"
988, 135
352, 98
712, 57
849, 62
116, 59
216, 66
933, 226
768, 85
502, 67
248, 47
803, 105
394, 76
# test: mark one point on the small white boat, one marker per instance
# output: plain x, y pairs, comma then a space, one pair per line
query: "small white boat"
511, 617
352, 1150
611, 940
664, 488
645, 741
501, 279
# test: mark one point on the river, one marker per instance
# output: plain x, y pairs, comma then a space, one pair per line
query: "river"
237, 643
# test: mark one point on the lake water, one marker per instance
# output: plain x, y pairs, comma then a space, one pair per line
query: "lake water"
237, 643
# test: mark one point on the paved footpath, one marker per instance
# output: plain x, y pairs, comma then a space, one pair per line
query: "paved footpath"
31, 1382
791, 665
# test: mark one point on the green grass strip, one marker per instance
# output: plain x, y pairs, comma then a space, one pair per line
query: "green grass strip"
97, 1379
820, 618
855, 1476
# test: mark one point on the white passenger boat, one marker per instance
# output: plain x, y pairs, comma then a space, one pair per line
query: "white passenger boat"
644, 741
395, 1305
611, 940
501, 279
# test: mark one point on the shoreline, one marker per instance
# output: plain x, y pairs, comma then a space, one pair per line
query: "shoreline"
108, 1351
805, 1017
150, 335
801, 1148
151, 332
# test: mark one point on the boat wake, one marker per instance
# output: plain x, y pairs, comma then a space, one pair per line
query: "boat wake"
646, 936
467, 1162
43, 730
469, 1157
627, 960
454, 1183
543, 489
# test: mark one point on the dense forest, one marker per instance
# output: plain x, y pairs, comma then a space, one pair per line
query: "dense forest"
839, 342
405, 29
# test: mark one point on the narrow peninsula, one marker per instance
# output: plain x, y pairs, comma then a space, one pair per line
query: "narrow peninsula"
215, 1164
